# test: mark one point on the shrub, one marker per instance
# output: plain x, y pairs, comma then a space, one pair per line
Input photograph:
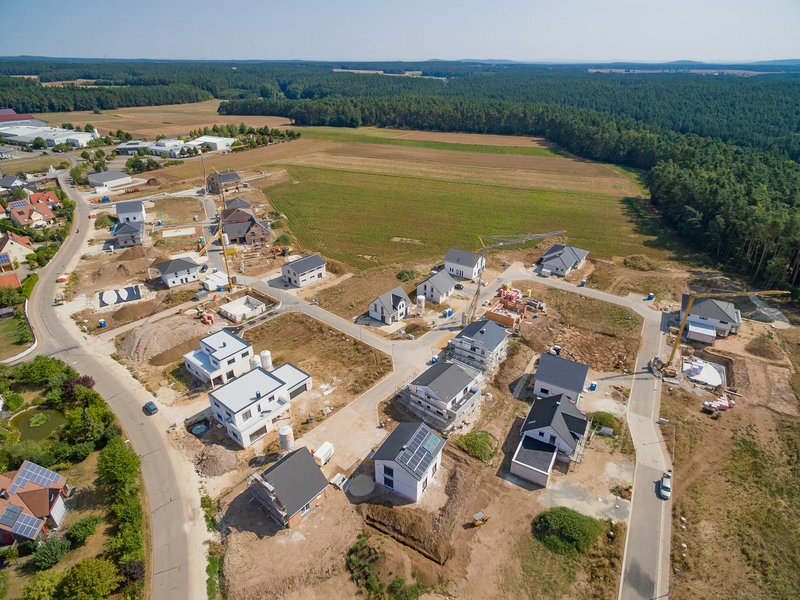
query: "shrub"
42, 586
479, 444
50, 552
209, 510
118, 465
90, 579
13, 402
406, 275
81, 530
566, 531
132, 570
283, 240
38, 419
604, 419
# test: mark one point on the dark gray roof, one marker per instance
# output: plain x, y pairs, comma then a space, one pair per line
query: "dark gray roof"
236, 230
411, 445
238, 203
296, 479
560, 414
462, 257
391, 299
562, 372
488, 333
535, 453
130, 228
226, 176
712, 309
10, 180
564, 257
106, 176
445, 380
306, 264
174, 265
129, 206
441, 282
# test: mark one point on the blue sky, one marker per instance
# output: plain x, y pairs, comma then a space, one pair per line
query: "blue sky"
526, 30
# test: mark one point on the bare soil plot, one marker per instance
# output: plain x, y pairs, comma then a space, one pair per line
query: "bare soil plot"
470, 138
667, 283
107, 271
178, 211
352, 296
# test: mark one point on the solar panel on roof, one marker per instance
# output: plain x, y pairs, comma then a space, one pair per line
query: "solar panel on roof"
36, 474
5, 259
10, 515
18, 204
26, 526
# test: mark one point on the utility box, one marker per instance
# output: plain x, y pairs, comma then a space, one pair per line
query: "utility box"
323, 454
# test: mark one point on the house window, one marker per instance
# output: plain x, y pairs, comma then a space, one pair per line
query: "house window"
244, 354
541, 434
231, 361
424, 484
246, 415
553, 439
434, 468
545, 391
389, 483
388, 471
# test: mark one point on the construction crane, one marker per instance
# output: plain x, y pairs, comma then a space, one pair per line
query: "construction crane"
219, 234
692, 297
497, 241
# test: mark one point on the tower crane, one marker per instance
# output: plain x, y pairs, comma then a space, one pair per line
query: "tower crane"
498, 241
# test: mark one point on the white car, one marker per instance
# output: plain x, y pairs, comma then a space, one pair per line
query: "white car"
665, 485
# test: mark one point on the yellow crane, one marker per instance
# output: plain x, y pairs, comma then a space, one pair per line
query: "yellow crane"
497, 241
692, 297
219, 234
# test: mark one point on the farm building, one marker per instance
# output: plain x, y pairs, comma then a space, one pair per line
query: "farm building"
291, 488
553, 430
304, 271
408, 459
128, 234
463, 263
443, 394
222, 356
560, 259
556, 375
391, 306
25, 131
481, 345
16, 246
242, 309
250, 405
169, 146
132, 147
31, 503
437, 288
177, 271
106, 180
131, 211
212, 142
710, 319
223, 181
6, 153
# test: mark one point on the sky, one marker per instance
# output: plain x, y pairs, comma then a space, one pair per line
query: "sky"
364, 30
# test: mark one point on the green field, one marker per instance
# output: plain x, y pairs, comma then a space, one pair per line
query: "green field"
8, 347
347, 216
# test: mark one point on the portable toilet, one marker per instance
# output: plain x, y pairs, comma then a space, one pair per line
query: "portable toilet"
102, 323
420, 302
592, 386
583, 283
650, 296
160, 223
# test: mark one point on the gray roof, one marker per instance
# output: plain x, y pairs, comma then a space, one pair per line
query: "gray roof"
10, 180
462, 257
257, 385
130, 228
712, 309
238, 203
560, 414
535, 453
413, 446
445, 380
173, 265
488, 333
392, 298
296, 479
441, 282
563, 257
306, 264
106, 176
562, 372
130, 206
236, 230
226, 176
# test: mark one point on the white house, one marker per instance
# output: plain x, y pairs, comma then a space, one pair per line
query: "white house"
560, 259
556, 375
437, 288
408, 459
132, 147
131, 211
249, 406
481, 345
553, 430
177, 271
710, 319
212, 142
169, 146
463, 263
103, 181
443, 394
303, 271
221, 357
391, 306
128, 234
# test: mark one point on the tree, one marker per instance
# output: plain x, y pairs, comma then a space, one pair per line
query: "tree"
39, 143
88, 128
50, 552
118, 465
81, 530
90, 579
99, 153
85, 155
10, 297
18, 193
43, 586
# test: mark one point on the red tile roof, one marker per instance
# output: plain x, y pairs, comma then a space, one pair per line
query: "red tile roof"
10, 236
48, 198
17, 117
9, 280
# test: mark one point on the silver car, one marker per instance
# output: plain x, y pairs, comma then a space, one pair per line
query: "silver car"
665, 485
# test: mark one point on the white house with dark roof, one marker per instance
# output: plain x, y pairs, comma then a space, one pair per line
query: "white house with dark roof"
437, 288
131, 211
553, 430
221, 357
304, 271
710, 318
557, 375
560, 259
391, 306
481, 344
444, 393
177, 271
128, 234
463, 263
250, 405
408, 459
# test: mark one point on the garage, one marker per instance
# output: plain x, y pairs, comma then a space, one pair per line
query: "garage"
298, 390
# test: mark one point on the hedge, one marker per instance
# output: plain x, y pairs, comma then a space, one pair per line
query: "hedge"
479, 444
566, 531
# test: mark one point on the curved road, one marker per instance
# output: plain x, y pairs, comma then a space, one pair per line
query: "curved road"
169, 502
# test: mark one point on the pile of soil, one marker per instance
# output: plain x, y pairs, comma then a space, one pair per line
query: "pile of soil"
214, 461
158, 339
640, 262
138, 252
411, 527
117, 272
764, 347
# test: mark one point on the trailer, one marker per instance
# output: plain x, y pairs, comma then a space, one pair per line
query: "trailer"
323, 454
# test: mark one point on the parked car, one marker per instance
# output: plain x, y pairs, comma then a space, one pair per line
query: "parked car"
150, 408
459, 286
204, 268
665, 485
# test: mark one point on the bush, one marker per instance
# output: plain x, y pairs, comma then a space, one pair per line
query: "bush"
81, 530
283, 240
50, 552
13, 402
118, 466
566, 531
479, 444
604, 419
90, 579
42, 586
28, 283
132, 570
209, 510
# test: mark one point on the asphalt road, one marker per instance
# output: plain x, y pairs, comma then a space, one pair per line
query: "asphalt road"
168, 500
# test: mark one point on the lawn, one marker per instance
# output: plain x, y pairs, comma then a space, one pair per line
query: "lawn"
34, 164
349, 216
8, 347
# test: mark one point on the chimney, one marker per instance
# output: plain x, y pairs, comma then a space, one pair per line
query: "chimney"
4, 494
224, 344
258, 394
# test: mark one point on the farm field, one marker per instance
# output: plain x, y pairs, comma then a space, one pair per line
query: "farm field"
34, 164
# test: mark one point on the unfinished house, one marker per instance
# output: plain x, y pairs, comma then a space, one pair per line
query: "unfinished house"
481, 345
556, 375
220, 182
391, 306
130, 212
553, 430
437, 288
177, 271
128, 234
408, 459
710, 318
463, 263
444, 394
560, 260
242, 309
222, 356
304, 271
31, 503
291, 488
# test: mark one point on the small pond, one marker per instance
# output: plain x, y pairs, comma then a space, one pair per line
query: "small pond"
28, 429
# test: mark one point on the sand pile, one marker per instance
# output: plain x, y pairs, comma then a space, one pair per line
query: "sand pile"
116, 273
214, 461
138, 252
152, 339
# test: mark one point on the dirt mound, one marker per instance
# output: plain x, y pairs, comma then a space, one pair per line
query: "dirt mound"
157, 339
138, 252
215, 461
117, 272
640, 262
764, 347
411, 527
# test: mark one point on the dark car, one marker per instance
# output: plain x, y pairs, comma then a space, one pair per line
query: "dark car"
459, 286
150, 408
204, 268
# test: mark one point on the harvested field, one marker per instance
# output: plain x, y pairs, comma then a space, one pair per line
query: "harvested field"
473, 138
178, 211
161, 342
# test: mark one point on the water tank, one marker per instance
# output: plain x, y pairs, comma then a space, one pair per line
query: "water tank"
255, 362
266, 360
286, 438
420, 302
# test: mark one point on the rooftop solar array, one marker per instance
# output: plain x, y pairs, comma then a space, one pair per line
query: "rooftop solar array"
18, 204
10, 515
417, 455
5, 259
36, 474
27, 526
